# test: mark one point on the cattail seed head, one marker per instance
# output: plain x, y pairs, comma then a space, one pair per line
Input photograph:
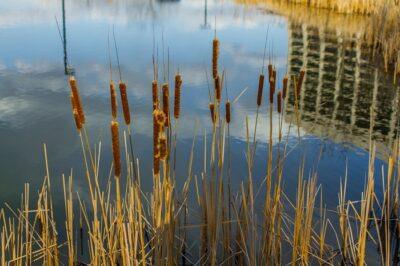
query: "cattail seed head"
154, 88
113, 97
77, 120
177, 96
217, 83
271, 90
300, 81
228, 112
215, 55
156, 134
115, 148
212, 112
78, 104
156, 166
165, 91
163, 147
279, 100
285, 84
260, 89
270, 69
125, 103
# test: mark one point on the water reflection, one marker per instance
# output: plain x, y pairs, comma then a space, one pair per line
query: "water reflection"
345, 95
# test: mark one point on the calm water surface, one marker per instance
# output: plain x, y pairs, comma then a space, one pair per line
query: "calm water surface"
341, 87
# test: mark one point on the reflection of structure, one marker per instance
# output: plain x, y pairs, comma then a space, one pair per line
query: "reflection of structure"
68, 70
343, 94
206, 25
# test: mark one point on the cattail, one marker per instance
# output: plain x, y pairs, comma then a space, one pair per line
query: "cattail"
279, 100
165, 91
228, 112
300, 81
212, 112
177, 98
75, 113
77, 120
154, 87
156, 165
271, 90
217, 83
260, 89
78, 104
270, 68
215, 57
284, 90
274, 80
113, 98
163, 147
115, 148
125, 104
156, 147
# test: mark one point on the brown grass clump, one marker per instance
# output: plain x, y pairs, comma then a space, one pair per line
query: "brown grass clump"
228, 112
115, 148
165, 92
78, 103
177, 96
212, 112
260, 89
113, 98
217, 84
215, 55
154, 88
125, 103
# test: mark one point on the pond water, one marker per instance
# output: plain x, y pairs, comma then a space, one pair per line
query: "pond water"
341, 86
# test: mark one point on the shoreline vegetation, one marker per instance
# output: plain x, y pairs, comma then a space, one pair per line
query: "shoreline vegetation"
120, 224
376, 22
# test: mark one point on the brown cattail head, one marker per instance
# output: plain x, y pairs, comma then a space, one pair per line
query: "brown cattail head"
228, 112
77, 99
260, 89
212, 112
272, 84
125, 103
284, 90
177, 98
217, 84
113, 97
300, 81
154, 88
165, 92
215, 55
270, 69
115, 148
156, 165
156, 133
163, 147
77, 120
279, 100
